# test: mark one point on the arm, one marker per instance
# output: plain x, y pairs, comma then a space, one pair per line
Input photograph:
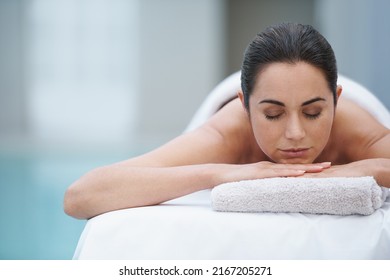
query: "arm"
379, 168
195, 161
373, 160
378, 159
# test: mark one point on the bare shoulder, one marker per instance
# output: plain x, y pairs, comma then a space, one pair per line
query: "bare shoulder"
233, 125
355, 130
222, 139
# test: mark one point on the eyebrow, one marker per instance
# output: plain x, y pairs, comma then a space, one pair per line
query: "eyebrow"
276, 102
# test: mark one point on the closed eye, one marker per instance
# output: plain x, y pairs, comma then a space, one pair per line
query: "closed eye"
312, 116
273, 117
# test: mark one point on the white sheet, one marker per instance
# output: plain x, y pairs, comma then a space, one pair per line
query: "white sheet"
187, 228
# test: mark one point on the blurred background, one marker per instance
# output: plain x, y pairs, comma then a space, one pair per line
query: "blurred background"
85, 83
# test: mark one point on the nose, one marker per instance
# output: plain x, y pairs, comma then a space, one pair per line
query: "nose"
294, 129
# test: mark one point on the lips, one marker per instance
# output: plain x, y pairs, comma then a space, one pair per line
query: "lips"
295, 152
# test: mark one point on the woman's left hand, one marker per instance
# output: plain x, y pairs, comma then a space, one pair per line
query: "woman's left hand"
354, 169
377, 168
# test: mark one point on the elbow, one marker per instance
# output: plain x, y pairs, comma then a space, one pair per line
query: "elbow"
84, 199
81, 199
73, 202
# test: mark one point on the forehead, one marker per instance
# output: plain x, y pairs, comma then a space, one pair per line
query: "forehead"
284, 80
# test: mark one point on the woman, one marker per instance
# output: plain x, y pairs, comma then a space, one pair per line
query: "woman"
283, 123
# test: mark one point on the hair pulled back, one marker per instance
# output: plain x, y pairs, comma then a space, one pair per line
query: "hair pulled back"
288, 43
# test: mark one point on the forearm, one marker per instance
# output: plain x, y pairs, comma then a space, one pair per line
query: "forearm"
122, 186
381, 171
379, 168
115, 187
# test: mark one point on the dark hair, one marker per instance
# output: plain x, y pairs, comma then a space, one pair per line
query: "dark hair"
290, 43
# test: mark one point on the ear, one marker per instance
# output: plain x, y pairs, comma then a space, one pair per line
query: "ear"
339, 90
240, 95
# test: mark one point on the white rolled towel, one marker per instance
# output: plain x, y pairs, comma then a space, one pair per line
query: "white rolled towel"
338, 195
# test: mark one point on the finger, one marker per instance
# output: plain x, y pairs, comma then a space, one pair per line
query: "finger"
312, 175
314, 166
315, 169
284, 173
306, 167
326, 164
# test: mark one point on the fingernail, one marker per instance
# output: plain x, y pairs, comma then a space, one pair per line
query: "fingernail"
327, 163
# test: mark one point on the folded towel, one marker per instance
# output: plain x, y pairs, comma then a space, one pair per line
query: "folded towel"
339, 196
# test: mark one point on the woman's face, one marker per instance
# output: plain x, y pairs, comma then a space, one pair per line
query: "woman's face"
291, 112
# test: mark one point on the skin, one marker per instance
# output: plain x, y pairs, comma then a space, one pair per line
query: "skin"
292, 128
297, 113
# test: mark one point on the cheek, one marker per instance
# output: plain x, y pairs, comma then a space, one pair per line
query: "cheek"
320, 130
266, 134
318, 134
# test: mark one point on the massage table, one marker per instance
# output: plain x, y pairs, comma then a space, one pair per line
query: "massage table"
187, 228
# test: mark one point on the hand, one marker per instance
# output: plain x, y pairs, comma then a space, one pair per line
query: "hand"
353, 169
265, 169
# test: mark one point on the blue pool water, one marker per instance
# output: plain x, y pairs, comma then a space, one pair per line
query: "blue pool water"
32, 186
